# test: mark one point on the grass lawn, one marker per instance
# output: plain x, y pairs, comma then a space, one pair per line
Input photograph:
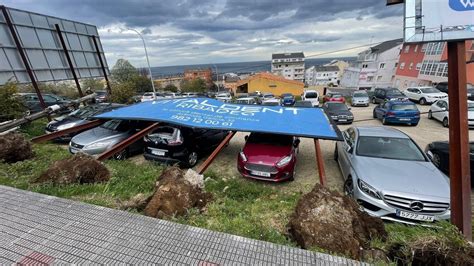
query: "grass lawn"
240, 206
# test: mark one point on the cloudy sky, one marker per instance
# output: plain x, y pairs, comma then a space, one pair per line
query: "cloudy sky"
181, 32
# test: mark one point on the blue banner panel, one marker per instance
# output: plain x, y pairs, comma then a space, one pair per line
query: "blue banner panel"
213, 114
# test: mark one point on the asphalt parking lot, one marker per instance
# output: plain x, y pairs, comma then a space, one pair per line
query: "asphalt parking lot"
306, 172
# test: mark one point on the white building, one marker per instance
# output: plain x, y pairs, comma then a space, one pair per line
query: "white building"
375, 67
289, 65
322, 75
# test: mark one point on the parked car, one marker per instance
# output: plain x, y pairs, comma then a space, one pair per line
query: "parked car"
32, 103
268, 157
438, 152
311, 96
382, 95
333, 97
190, 94
338, 112
287, 99
148, 96
225, 97
397, 112
246, 100
183, 145
305, 104
360, 98
272, 102
440, 111
391, 177
78, 117
267, 96
424, 95
101, 96
443, 87
102, 138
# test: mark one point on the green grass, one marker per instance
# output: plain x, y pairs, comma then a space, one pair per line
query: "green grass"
34, 128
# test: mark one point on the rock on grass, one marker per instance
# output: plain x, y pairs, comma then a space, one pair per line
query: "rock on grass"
80, 168
14, 148
176, 192
328, 220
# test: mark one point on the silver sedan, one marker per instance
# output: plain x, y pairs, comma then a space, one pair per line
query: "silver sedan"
390, 176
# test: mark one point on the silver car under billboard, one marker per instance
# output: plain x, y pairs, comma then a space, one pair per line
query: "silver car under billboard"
391, 177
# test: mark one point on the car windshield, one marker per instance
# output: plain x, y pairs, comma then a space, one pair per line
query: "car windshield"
360, 95
165, 133
100, 93
311, 95
268, 96
394, 92
286, 95
404, 107
84, 113
429, 90
336, 96
389, 148
111, 124
337, 107
270, 139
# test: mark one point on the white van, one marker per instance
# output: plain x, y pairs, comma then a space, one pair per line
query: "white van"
311, 96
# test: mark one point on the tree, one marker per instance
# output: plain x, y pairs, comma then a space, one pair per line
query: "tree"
10, 106
171, 88
142, 84
123, 92
93, 84
194, 85
123, 71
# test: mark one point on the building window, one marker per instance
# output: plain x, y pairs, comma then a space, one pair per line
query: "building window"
418, 66
411, 66
365, 65
416, 48
379, 78
407, 49
396, 64
402, 65
423, 47
382, 65
369, 79
286, 65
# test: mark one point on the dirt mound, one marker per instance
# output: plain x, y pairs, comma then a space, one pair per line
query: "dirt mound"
137, 202
176, 193
14, 148
328, 220
80, 168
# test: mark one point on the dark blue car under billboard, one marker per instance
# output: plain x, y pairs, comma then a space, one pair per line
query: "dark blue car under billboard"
213, 114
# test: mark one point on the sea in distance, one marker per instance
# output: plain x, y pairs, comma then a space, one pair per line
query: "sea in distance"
238, 67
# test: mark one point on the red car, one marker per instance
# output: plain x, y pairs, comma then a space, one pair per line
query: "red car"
268, 157
334, 97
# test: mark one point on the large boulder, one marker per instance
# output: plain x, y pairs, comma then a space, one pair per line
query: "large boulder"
176, 192
328, 220
14, 148
80, 168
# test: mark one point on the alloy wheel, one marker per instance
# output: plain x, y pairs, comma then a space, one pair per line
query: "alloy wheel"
349, 187
436, 160
122, 155
430, 115
445, 122
192, 159
422, 101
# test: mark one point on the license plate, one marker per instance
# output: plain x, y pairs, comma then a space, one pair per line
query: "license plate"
415, 216
342, 120
405, 119
258, 173
158, 152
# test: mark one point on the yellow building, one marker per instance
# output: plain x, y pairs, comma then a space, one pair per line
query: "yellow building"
266, 82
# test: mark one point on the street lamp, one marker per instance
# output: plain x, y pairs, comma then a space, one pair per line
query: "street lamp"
217, 78
147, 60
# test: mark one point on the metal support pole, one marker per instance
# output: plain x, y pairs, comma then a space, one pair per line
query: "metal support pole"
61, 133
320, 163
459, 168
23, 56
124, 144
102, 65
68, 58
202, 168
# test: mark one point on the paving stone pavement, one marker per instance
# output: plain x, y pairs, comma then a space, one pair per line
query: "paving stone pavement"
37, 229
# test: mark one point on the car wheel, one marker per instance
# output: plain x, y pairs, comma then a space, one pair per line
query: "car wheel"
374, 115
374, 101
336, 155
436, 160
384, 121
192, 159
422, 101
122, 155
349, 187
430, 114
445, 122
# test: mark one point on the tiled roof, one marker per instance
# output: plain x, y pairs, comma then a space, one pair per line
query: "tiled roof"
269, 76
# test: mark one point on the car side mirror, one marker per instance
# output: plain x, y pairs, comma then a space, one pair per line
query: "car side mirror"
246, 137
296, 143
349, 108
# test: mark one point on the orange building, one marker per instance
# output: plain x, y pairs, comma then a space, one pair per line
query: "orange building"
267, 82
204, 74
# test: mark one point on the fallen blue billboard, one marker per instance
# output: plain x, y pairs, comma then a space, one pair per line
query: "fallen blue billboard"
210, 113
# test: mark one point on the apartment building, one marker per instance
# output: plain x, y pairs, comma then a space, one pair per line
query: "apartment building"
322, 75
289, 65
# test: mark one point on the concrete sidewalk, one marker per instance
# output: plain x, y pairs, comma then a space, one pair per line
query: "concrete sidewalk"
36, 228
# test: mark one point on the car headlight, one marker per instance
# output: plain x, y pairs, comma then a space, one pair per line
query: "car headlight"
66, 126
242, 156
99, 144
350, 116
286, 160
334, 116
367, 189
